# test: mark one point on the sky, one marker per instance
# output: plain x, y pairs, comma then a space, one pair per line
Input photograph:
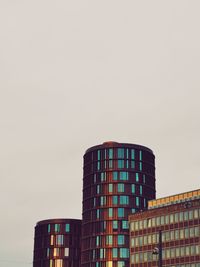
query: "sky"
74, 74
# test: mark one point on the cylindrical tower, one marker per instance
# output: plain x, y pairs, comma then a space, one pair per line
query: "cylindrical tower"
118, 180
57, 243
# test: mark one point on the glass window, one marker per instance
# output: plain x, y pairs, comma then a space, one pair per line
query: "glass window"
186, 215
120, 212
124, 200
110, 164
109, 240
196, 231
120, 153
49, 228
66, 252
140, 166
162, 220
98, 189
123, 176
158, 221
133, 154
115, 200
120, 163
140, 189
114, 176
196, 216
109, 264
120, 240
123, 253
125, 225
115, 225
176, 215
52, 240
110, 188
140, 155
120, 188
67, 227
132, 164
144, 179
181, 216
57, 227
120, 264
59, 263
137, 177
59, 240
133, 188
97, 240
110, 151
98, 213
110, 212
48, 252
98, 154
137, 201
114, 253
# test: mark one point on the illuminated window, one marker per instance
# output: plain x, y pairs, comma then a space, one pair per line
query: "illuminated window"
51, 263
52, 240
120, 264
56, 252
97, 240
59, 263
98, 213
109, 264
144, 179
132, 164
140, 166
59, 240
66, 252
120, 153
48, 252
99, 155
120, 188
67, 227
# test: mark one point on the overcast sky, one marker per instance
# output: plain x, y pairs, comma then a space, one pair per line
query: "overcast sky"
74, 74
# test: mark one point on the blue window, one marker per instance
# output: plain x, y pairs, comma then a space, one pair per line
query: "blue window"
124, 200
99, 155
127, 153
137, 201
132, 154
120, 163
110, 212
140, 166
133, 188
120, 212
102, 253
49, 228
115, 200
133, 210
114, 253
67, 227
109, 240
97, 264
120, 153
125, 225
123, 252
103, 200
110, 188
120, 188
105, 154
123, 176
114, 176
137, 177
120, 240
127, 164
141, 190
110, 164
48, 252
140, 155
98, 165
110, 153
98, 213
97, 240
115, 225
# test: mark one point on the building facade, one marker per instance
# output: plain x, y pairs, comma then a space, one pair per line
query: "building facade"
57, 243
176, 219
118, 180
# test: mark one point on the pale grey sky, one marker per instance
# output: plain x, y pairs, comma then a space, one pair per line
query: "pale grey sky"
77, 73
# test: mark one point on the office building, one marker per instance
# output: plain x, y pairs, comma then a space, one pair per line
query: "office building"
57, 243
118, 180
176, 219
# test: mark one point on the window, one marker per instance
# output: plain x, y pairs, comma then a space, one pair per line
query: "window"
124, 200
120, 163
125, 225
98, 189
115, 225
140, 155
140, 166
140, 189
123, 253
59, 263
110, 188
132, 164
56, 252
144, 179
59, 240
109, 264
115, 200
120, 240
109, 240
120, 264
110, 151
110, 212
137, 201
99, 155
120, 212
49, 228
120, 153
66, 252
137, 177
97, 240
114, 176
123, 176
132, 154
67, 227
120, 188
133, 188
98, 213
48, 252
52, 240
114, 253
57, 227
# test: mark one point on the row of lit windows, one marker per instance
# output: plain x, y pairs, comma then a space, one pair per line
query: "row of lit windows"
176, 252
110, 264
165, 219
56, 263
118, 188
116, 253
58, 252
119, 153
120, 164
117, 176
166, 236
110, 240
57, 228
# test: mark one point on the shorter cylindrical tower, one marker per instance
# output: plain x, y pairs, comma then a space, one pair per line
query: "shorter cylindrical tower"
57, 243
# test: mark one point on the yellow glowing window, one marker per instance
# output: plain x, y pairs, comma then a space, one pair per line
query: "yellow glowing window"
59, 263
56, 252
109, 264
52, 239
